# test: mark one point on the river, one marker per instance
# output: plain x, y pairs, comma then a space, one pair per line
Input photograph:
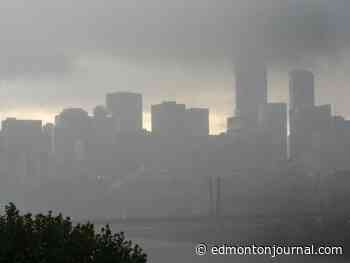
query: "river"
165, 244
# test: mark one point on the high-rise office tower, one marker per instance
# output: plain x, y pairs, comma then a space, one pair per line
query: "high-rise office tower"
100, 113
301, 89
169, 118
23, 135
273, 123
126, 110
197, 121
72, 132
24, 144
302, 113
251, 88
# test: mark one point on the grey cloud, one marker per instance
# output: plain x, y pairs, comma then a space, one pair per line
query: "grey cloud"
42, 36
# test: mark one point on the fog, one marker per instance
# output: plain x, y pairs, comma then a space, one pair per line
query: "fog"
54, 52
180, 121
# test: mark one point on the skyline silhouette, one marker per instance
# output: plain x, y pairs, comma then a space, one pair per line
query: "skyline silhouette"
178, 122
161, 58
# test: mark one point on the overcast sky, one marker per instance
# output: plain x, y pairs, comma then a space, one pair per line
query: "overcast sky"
57, 54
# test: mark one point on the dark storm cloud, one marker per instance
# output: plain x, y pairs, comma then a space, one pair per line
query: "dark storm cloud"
45, 36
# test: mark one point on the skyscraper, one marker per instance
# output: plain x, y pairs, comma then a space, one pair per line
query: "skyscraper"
24, 144
306, 120
23, 135
301, 89
197, 121
126, 110
72, 132
273, 123
251, 88
169, 118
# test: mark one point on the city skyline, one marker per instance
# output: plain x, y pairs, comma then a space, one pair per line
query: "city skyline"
221, 106
47, 64
174, 122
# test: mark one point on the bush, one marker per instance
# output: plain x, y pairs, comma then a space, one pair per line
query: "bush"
54, 239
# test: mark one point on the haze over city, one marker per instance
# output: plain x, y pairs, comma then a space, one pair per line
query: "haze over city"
177, 122
61, 54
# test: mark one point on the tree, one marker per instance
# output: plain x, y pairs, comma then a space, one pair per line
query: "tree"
54, 239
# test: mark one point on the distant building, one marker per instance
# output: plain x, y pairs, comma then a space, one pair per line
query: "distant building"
127, 111
251, 89
24, 145
72, 132
103, 126
22, 135
169, 118
301, 89
341, 139
301, 111
197, 121
48, 132
100, 113
75, 120
312, 136
273, 123
103, 134
234, 125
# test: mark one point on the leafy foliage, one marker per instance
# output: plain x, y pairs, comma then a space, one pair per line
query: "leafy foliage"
54, 239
